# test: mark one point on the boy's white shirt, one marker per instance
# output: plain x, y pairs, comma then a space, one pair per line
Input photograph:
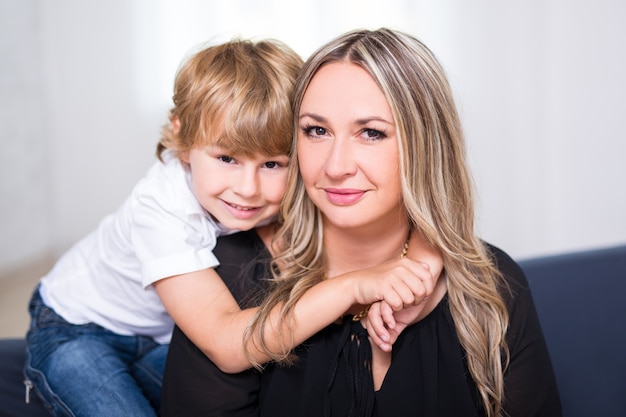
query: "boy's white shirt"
159, 231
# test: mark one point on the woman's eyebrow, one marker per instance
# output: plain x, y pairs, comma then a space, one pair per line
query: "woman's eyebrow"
314, 116
366, 120
359, 121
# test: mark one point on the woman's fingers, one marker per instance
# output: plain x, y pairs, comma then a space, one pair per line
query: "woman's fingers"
375, 325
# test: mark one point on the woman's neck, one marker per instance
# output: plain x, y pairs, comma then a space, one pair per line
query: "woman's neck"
352, 249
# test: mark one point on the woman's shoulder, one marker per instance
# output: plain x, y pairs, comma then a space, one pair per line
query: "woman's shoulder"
244, 265
515, 288
240, 247
510, 270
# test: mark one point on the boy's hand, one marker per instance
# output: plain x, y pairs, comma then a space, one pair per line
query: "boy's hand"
399, 283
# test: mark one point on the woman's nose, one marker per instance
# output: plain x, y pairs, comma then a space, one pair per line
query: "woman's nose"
340, 159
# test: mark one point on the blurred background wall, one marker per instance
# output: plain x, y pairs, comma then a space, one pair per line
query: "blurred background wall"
85, 86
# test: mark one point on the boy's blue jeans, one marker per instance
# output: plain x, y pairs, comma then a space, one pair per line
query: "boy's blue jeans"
86, 370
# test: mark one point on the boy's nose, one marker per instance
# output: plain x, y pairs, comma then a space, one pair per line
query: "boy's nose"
247, 183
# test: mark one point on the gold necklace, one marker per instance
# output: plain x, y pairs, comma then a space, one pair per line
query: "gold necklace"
405, 249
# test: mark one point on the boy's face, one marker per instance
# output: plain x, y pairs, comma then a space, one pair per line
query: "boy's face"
239, 192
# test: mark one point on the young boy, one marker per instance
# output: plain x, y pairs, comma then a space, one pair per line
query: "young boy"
99, 332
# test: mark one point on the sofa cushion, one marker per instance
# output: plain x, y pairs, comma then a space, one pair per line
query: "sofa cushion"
581, 301
12, 389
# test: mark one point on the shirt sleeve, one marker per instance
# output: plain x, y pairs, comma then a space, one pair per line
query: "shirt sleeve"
170, 240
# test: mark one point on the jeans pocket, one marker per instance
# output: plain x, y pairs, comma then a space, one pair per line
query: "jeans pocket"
42, 315
47, 330
47, 318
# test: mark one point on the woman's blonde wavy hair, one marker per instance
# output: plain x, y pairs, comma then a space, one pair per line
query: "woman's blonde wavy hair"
236, 95
437, 193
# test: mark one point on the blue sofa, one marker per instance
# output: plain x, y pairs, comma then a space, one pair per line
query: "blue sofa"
581, 302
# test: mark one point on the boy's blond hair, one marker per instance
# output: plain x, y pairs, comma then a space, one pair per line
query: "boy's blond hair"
236, 95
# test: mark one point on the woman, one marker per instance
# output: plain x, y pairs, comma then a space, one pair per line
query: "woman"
379, 156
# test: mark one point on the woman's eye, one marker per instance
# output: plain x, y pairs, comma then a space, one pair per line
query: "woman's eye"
271, 164
373, 134
314, 131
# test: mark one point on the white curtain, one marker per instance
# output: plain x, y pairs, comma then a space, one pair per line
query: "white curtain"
86, 86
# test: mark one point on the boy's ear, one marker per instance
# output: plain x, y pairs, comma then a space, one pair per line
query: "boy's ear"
184, 156
175, 125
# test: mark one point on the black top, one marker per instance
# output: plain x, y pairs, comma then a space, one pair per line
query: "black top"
428, 375
192, 384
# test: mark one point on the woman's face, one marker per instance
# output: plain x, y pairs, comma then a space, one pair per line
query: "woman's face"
347, 149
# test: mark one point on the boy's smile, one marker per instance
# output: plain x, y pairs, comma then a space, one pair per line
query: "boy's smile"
242, 212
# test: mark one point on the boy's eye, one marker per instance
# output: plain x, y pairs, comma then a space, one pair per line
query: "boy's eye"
225, 158
280, 163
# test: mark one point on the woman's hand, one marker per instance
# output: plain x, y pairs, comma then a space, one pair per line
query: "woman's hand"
385, 325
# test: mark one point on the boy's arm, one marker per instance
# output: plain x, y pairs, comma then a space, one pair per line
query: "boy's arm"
205, 310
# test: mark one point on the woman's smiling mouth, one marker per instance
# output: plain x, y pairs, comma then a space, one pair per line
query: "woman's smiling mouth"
343, 196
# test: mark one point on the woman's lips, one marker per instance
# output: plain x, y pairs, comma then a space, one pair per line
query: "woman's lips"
343, 196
